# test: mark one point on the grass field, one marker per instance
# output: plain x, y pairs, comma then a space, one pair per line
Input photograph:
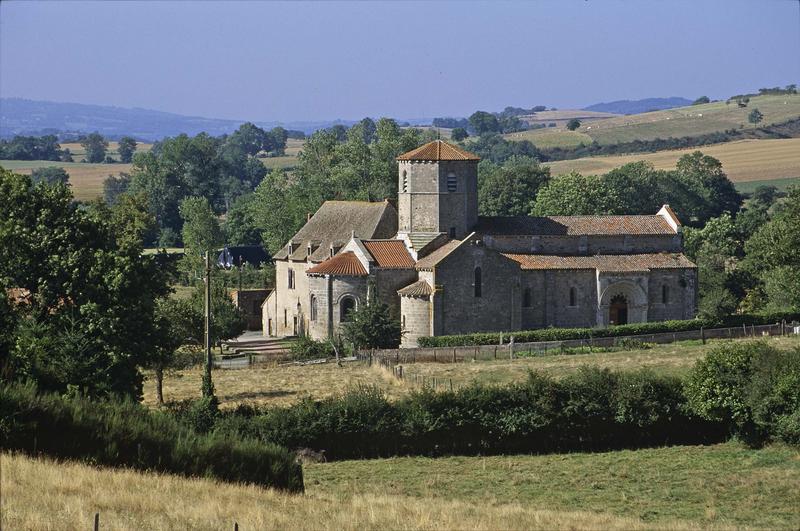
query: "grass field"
85, 179
748, 187
744, 160
672, 359
78, 152
274, 385
552, 137
283, 385
679, 122
715, 487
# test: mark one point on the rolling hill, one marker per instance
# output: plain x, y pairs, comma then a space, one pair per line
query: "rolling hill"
639, 106
693, 120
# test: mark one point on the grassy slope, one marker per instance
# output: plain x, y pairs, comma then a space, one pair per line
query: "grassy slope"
678, 122
276, 385
743, 161
86, 179
718, 486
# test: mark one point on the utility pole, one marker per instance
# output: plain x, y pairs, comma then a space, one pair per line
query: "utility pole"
208, 389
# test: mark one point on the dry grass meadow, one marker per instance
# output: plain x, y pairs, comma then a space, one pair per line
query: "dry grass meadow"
276, 385
724, 486
743, 161
85, 179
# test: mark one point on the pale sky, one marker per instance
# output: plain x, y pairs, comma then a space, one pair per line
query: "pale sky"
312, 61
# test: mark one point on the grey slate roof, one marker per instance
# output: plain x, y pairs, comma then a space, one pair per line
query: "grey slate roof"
335, 222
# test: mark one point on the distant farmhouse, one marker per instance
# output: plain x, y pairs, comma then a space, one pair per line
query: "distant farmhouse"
442, 269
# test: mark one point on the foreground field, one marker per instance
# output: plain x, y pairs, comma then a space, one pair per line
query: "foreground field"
745, 160
284, 385
85, 179
722, 486
693, 120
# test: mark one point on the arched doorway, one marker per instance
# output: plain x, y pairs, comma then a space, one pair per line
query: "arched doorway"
346, 306
618, 310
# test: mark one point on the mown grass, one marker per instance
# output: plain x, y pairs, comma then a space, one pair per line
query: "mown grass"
725, 484
715, 487
748, 187
742, 160
674, 359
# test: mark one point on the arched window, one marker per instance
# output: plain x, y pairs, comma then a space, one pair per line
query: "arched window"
526, 298
664, 294
573, 296
478, 282
346, 306
313, 308
405, 181
452, 182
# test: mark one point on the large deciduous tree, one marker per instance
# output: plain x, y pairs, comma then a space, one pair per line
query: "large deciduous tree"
95, 146
87, 322
510, 189
126, 148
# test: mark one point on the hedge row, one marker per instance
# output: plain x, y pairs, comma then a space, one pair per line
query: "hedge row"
563, 334
125, 434
592, 410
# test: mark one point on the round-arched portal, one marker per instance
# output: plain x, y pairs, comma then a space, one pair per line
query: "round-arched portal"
618, 310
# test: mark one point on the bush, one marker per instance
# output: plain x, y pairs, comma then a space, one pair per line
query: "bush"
592, 410
305, 348
125, 434
752, 387
563, 334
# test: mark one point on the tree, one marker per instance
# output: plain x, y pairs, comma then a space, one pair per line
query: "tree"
458, 134
240, 224
88, 323
575, 194
114, 187
201, 229
371, 326
50, 175
573, 124
126, 149
701, 100
484, 122
755, 116
510, 189
177, 324
95, 146
705, 173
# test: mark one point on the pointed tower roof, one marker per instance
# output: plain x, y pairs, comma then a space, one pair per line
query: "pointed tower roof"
438, 150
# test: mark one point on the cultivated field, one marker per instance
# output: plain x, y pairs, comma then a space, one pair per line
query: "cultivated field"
679, 122
284, 385
743, 161
85, 179
78, 152
715, 487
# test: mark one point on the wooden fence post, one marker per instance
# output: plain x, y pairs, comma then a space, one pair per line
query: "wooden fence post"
703, 335
96, 521
451, 384
495, 352
454, 354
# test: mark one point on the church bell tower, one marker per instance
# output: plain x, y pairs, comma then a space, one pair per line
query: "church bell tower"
438, 191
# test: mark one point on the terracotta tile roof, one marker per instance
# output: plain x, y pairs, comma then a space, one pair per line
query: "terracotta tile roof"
343, 264
389, 254
417, 289
438, 255
622, 262
574, 225
335, 222
438, 150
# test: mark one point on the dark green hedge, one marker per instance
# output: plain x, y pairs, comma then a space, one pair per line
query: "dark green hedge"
563, 334
592, 410
125, 434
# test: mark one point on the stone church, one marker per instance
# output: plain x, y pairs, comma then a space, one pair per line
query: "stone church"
443, 269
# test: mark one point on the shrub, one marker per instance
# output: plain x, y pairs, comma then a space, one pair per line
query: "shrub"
125, 434
591, 410
563, 334
753, 387
305, 348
